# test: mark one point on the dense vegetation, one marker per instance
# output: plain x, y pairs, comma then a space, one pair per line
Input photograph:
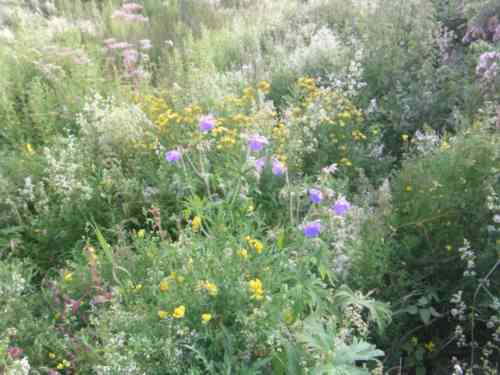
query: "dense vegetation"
249, 187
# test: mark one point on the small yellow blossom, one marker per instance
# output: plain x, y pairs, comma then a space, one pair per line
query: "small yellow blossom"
205, 318
162, 314
179, 312
404, 137
68, 276
196, 223
63, 364
445, 146
429, 346
243, 253
141, 233
52, 355
164, 285
288, 316
29, 149
256, 289
264, 86
211, 288
449, 248
257, 245
408, 188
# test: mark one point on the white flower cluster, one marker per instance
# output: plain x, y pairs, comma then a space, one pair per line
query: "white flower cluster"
467, 255
19, 367
12, 284
112, 126
320, 55
64, 172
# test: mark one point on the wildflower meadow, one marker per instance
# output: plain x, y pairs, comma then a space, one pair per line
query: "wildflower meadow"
271, 187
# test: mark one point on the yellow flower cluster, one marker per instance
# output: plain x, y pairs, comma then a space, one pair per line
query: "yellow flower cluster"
63, 364
264, 87
243, 253
280, 138
178, 313
256, 289
164, 285
255, 244
196, 223
210, 287
206, 317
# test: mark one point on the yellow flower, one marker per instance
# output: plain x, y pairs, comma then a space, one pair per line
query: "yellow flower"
256, 289
429, 346
162, 314
404, 137
179, 312
257, 245
68, 276
445, 146
264, 86
63, 364
346, 162
408, 188
29, 149
196, 223
205, 318
449, 248
141, 233
211, 288
52, 355
243, 253
164, 286
288, 316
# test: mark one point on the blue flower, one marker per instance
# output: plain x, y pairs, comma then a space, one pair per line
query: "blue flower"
312, 229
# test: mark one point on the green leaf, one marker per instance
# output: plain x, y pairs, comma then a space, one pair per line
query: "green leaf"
425, 315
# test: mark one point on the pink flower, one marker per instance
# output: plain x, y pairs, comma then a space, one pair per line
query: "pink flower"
132, 7
14, 352
130, 57
119, 45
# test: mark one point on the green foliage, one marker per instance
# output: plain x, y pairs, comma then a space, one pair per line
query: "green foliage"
132, 239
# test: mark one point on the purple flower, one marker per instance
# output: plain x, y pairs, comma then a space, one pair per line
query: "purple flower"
257, 142
145, 44
496, 37
315, 196
173, 156
260, 164
206, 123
341, 206
312, 229
278, 167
